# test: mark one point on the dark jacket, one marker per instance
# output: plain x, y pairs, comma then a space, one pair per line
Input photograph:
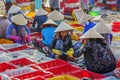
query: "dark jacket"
98, 56
39, 20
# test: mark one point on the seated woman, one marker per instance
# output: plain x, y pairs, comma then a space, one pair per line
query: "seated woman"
97, 54
39, 19
3, 25
86, 21
56, 16
48, 32
17, 30
62, 42
14, 10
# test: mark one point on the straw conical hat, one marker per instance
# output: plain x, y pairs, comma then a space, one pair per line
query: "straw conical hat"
85, 17
91, 33
14, 9
19, 19
55, 15
102, 28
49, 22
41, 12
63, 26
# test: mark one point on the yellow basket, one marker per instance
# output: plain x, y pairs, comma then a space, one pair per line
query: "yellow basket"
25, 8
5, 41
64, 77
30, 14
116, 38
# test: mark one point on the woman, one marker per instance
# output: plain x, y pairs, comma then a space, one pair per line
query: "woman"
86, 20
56, 16
62, 42
39, 19
48, 32
104, 30
3, 25
54, 5
14, 10
97, 54
17, 30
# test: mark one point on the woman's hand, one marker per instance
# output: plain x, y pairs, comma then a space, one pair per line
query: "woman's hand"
117, 72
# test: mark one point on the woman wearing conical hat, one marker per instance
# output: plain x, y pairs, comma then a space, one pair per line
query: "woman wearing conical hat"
3, 25
56, 16
48, 32
97, 54
104, 30
14, 10
86, 20
62, 42
17, 30
39, 19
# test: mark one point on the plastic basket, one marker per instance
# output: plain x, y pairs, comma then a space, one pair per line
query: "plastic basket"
65, 69
36, 78
93, 13
23, 47
18, 71
9, 46
52, 64
86, 74
4, 58
5, 66
22, 62
63, 77
17, 54
31, 75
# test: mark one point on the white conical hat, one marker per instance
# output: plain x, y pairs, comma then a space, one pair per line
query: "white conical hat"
41, 11
49, 22
19, 19
85, 17
91, 33
102, 28
55, 15
63, 26
14, 9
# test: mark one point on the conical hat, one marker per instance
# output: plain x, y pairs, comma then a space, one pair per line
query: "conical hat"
91, 33
41, 12
14, 9
63, 26
49, 22
55, 15
85, 17
102, 28
19, 19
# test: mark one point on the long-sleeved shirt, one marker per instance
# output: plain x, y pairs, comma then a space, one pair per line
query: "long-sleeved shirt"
17, 28
39, 20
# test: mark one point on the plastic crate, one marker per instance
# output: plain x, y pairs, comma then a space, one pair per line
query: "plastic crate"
17, 54
18, 71
65, 69
87, 74
32, 74
36, 78
6, 66
52, 64
64, 77
23, 47
22, 62
9, 46
4, 57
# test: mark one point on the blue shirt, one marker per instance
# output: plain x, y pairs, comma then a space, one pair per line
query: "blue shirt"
47, 35
88, 26
11, 26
